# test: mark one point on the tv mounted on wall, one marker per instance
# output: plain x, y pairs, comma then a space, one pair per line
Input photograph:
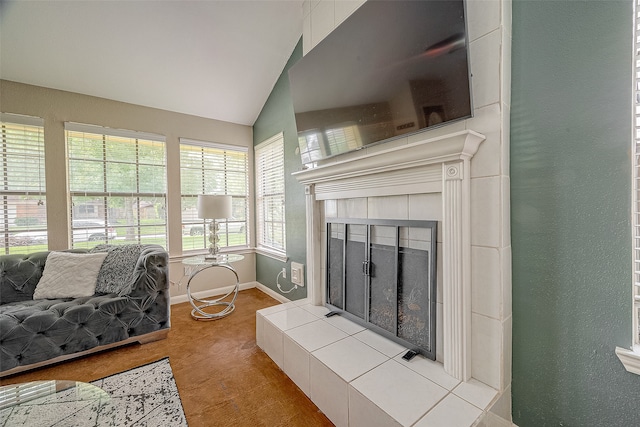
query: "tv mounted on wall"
392, 68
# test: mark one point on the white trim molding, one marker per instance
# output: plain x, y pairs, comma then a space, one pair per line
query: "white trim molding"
273, 294
415, 166
456, 289
630, 359
278, 256
433, 165
177, 299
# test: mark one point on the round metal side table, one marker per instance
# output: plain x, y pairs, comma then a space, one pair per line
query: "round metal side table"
197, 264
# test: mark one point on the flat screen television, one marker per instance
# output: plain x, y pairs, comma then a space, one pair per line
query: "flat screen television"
390, 69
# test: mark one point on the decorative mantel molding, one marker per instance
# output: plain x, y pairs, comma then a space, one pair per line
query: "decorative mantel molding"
438, 164
453, 146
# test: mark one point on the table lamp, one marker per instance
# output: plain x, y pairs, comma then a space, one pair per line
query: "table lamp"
213, 207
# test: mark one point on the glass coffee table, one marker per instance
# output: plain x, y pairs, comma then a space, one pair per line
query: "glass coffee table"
48, 403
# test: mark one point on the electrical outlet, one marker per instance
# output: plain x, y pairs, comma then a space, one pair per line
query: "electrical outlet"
297, 274
284, 272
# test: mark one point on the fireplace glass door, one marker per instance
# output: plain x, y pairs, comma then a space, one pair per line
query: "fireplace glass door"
382, 275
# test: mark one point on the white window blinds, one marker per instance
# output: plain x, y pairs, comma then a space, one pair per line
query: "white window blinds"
117, 184
270, 197
23, 216
209, 168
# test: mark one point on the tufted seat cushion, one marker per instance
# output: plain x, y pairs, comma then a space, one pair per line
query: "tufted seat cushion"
32, 331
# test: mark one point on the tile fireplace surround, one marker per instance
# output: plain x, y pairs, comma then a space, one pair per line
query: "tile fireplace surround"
359, 378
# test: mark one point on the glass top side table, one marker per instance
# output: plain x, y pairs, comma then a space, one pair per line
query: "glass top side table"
197, 264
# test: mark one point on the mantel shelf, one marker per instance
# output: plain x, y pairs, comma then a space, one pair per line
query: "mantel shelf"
460, 145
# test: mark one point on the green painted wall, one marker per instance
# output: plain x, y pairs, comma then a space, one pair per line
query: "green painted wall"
570, 222
277, 116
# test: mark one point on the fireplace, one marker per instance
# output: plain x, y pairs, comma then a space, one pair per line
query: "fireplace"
437, 169
347, 370
381, 274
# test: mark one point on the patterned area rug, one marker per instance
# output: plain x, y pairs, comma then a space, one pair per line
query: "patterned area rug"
144, 396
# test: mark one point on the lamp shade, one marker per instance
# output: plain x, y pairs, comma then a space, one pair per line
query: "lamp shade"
214, 206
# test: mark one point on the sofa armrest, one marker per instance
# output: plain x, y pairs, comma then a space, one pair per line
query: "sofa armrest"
151, 275
19, 275
149, 294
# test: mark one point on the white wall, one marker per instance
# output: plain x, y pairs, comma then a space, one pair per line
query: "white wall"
57, 107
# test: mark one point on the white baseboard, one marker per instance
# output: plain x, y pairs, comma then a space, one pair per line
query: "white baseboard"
273, 294
212, 292
221, 291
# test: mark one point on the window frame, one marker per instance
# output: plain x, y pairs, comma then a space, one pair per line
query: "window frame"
235, 150
271, 147
32, 149
630, 358
107, 229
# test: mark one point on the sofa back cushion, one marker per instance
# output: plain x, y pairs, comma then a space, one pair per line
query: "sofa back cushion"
117, 274
19, 275
69, 275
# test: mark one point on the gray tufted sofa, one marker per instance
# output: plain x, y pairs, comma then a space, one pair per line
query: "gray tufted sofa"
35, 333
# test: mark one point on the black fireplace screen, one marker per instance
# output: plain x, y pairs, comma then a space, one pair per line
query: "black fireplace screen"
382, 275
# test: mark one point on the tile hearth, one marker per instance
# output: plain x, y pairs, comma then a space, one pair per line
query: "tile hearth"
359, 378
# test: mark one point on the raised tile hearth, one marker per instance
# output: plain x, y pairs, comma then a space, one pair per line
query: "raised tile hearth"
358, 378
428, 176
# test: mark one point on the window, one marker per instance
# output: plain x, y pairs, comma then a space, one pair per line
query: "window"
207, 168
117, 185
23, 216
270, 195
631, 358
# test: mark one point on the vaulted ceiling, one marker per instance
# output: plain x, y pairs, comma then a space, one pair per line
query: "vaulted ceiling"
209, 58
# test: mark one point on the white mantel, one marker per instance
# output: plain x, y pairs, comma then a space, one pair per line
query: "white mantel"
435, 165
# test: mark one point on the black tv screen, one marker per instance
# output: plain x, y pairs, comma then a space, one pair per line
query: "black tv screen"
392, 68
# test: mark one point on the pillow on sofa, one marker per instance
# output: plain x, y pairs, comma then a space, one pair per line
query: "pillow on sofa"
69, 275
117, 273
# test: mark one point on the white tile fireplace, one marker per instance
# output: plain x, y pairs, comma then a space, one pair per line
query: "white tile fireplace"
422, 177
449, 174
424, 180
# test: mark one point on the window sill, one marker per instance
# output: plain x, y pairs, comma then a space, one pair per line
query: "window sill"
630, 358
278, 256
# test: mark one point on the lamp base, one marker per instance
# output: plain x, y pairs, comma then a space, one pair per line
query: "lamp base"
214, 249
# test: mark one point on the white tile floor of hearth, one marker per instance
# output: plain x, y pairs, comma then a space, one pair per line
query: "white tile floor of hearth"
359, 378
